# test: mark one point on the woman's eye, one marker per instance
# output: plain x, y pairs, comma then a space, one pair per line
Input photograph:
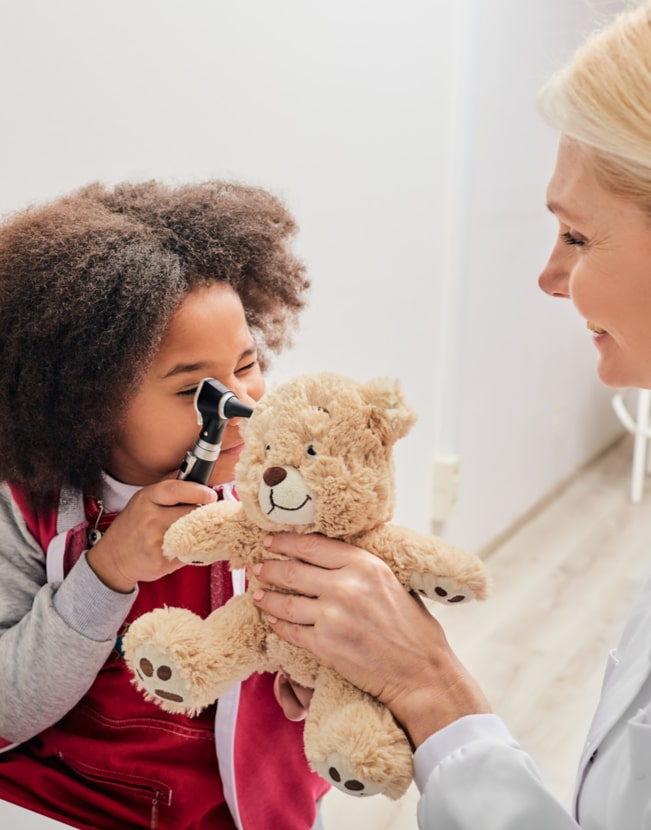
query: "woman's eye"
311, 449
570, 239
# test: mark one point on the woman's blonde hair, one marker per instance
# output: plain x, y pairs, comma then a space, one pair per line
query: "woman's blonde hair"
602, 99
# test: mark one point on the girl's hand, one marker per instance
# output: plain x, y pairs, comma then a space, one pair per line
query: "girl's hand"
294, 699
130, 551
354, 616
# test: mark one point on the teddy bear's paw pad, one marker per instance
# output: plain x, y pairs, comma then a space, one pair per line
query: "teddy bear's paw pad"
441, 588
335, 770
160, 679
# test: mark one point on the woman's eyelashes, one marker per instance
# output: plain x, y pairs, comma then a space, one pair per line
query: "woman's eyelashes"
570, 239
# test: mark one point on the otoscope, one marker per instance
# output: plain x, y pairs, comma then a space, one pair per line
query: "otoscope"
215, 404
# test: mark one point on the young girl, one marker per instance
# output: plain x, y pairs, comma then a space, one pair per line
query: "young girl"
114, 304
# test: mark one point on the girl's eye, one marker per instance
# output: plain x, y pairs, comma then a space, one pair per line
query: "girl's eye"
246, 368
311, 450
570, 239
188, 392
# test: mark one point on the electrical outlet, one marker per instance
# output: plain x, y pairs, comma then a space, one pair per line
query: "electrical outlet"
445, 487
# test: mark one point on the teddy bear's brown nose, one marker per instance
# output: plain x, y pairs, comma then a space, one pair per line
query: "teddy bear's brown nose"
273, 476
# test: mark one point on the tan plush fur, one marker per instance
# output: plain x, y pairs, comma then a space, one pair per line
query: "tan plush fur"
318, 458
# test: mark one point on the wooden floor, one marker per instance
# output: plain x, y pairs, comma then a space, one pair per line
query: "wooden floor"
564, 582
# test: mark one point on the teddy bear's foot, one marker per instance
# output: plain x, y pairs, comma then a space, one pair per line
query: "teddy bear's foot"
444, 589
166, 652
355, 744
337, 772
161, 680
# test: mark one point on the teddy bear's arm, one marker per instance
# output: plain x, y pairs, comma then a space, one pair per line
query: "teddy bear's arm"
213, 533
428, 565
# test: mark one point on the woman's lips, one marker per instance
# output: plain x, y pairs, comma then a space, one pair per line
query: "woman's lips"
594, 328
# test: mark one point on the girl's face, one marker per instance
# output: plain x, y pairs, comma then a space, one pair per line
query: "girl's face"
207, 337
602, 262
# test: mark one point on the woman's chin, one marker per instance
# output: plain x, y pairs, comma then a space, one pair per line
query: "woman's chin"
616, 378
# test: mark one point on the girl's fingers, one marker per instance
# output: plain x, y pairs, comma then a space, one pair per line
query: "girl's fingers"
173, 491
293, 698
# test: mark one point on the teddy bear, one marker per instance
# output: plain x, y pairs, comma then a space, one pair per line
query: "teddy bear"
317, 458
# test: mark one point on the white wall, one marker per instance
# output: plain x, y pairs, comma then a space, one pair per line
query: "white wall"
404, 138
529, 407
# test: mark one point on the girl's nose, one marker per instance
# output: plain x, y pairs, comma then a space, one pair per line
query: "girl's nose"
242, 393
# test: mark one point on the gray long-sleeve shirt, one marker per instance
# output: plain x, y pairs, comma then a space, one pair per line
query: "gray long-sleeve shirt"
54, 637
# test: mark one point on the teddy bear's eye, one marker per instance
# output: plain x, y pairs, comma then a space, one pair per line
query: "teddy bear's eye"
267, 448
311, 449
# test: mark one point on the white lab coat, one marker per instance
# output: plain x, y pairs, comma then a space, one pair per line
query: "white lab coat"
474, 776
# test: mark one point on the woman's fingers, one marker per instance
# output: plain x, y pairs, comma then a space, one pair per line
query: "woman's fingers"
318, 565
313, 548
291, 575
296, 609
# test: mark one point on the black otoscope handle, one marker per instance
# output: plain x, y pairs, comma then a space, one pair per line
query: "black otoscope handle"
195, 468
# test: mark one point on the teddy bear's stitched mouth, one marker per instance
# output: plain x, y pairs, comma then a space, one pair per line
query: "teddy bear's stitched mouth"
281, 507
168, 696
162, 693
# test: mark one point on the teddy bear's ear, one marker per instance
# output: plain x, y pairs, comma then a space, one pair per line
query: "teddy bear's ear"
391, 417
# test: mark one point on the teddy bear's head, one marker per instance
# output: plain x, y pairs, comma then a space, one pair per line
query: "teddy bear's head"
318, 455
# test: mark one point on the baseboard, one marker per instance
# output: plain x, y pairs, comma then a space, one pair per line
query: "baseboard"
485, 551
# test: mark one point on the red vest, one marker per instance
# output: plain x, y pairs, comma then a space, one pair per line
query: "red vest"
116, 761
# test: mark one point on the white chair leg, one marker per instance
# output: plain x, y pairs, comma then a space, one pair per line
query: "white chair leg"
640, 446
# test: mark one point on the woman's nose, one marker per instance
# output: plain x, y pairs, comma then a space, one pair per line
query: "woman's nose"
555, 278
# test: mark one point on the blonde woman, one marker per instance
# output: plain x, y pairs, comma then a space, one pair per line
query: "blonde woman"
471, 772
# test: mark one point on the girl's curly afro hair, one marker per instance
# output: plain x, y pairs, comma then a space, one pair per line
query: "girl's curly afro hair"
88, 285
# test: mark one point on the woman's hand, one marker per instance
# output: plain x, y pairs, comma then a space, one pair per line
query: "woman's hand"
354, 616
130, 551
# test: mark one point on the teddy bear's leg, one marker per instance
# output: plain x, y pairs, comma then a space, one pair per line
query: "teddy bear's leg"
183, 662
353, 741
